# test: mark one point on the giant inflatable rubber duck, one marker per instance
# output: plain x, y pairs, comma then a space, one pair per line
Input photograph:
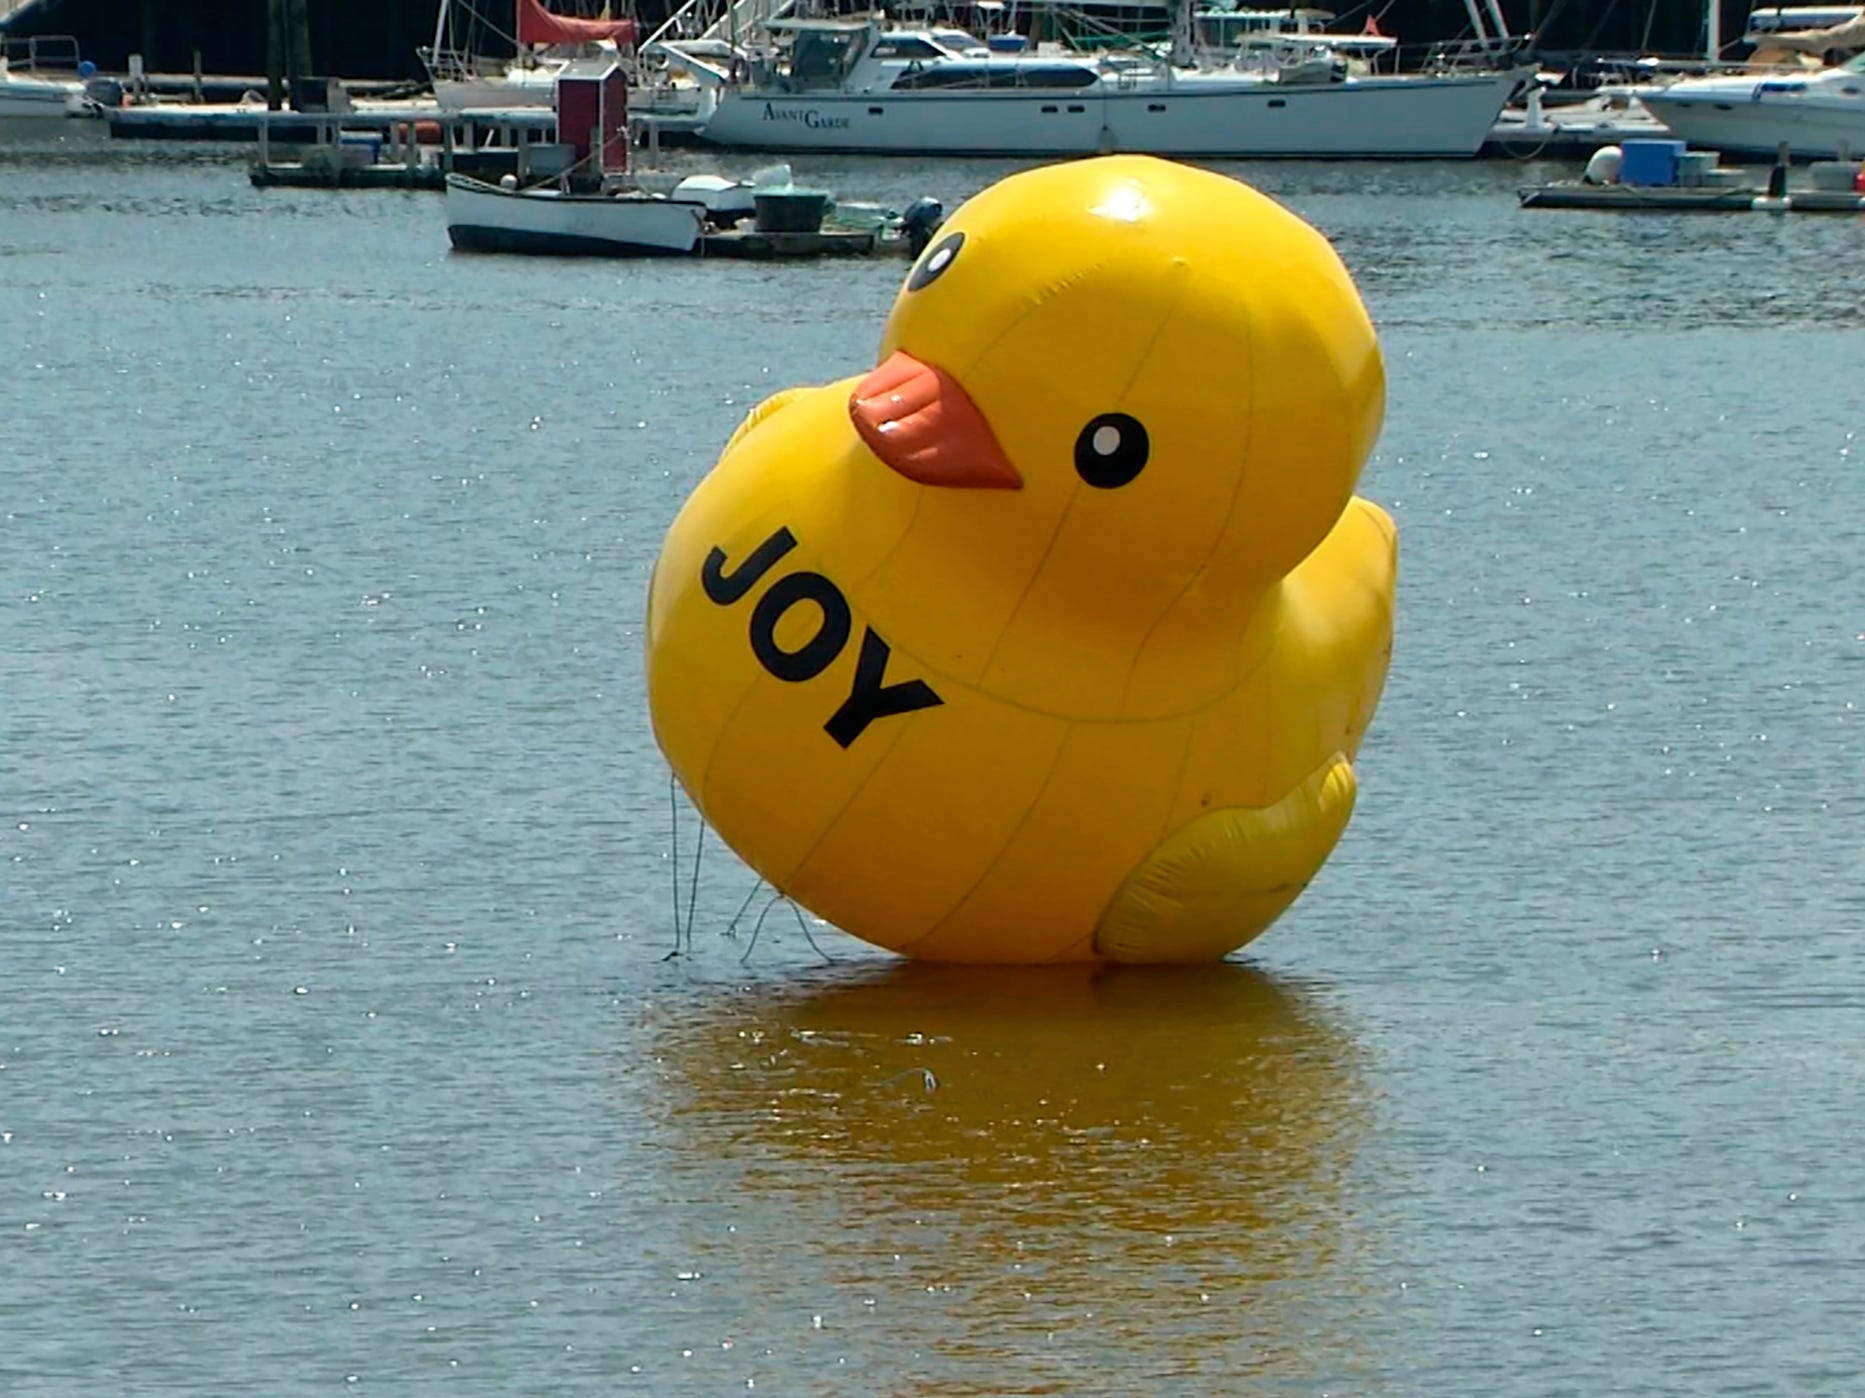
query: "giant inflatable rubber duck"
1052, 637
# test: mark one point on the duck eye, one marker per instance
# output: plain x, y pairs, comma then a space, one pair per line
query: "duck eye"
933, 265
1111, 450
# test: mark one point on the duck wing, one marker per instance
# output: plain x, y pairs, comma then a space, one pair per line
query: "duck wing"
1217, 882
763, 413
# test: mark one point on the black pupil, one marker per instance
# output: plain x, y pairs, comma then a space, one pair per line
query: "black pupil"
1111, 450
937, 259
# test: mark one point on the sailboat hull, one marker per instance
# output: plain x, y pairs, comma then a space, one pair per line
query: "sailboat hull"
529, 88
1190, 116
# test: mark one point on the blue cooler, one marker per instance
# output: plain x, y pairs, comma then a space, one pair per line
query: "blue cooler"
1651, 163
789, 210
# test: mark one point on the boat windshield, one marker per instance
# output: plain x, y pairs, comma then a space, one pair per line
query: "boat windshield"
1854, 64
964, 74
906, 46
959, 41
1229, 26
820, 58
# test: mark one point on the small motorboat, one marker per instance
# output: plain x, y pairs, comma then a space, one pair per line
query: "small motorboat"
502, 217
577, 196
43, 78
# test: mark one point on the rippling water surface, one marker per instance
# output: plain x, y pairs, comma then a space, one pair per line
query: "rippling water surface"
336, 1038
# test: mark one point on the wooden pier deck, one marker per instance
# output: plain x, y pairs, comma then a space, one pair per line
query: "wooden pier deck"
1751, 199
302, 174
752, 245
243, 121
225, 121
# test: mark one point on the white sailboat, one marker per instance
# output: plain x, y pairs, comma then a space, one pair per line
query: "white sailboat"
866, 86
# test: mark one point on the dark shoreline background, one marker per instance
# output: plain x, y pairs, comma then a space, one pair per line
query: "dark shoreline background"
378, 39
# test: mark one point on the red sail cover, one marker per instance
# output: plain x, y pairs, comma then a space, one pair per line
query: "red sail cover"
537, 25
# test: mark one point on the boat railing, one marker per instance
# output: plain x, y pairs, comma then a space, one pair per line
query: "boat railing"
1477, 55
1077, 29
1094, 37
1583, 71
743, 20
685, 21
740, 20
451, 65
40, 52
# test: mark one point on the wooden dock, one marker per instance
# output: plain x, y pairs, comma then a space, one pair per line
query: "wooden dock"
244, 121
752, 245
226, 121
315, 174
327, 151
1741, 199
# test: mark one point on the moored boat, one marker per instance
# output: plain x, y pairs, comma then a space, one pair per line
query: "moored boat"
865, 86
1666, 176
578, 199
576, 196
1818, 114
489, 218
33, 83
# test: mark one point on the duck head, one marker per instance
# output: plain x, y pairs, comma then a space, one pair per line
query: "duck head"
1126, 386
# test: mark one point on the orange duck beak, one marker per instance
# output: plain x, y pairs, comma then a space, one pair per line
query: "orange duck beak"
919, 421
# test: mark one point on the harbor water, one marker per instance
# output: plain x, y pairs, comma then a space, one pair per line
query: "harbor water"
340, 1046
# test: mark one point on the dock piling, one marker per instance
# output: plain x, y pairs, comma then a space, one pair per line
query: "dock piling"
1777, 177
275, 55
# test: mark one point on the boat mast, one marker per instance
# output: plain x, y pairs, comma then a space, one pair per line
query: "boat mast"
1477, 26
1486, 41
1182, 54
1495, 14
1713, 30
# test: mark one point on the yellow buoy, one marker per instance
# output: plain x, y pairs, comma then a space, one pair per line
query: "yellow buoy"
1051, 638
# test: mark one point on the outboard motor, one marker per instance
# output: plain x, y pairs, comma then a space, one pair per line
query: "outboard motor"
102, 91
920, 222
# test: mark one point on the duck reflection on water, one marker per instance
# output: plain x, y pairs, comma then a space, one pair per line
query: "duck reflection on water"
1156, 1159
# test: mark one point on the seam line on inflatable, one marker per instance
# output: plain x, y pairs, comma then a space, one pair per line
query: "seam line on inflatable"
1003, 849
1204, 564
829, 825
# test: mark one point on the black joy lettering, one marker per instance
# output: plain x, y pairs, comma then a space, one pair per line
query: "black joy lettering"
813, 656
870, 697
726, 588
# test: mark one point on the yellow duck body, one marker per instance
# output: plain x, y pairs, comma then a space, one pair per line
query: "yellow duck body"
1095, 700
